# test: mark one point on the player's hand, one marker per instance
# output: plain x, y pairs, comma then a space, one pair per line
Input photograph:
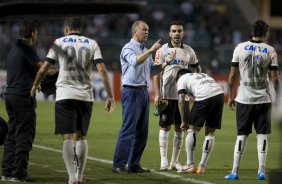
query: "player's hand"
184, 126
110, 105
156, 46
231, 103
157, 100
171, 56
34, 89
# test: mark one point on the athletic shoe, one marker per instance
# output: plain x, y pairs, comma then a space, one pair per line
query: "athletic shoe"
24, 179
261, 176
164, 166
120, 170
187, 169
175, 166
5, 178
200, 169
232, 176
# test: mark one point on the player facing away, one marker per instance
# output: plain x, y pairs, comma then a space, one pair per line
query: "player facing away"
76, 56
165, 88
206, 110
253, 60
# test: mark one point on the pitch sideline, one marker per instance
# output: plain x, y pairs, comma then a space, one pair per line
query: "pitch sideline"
110, 162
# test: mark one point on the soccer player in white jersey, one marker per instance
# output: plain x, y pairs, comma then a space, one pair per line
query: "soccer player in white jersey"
253, 59
76, 56
165, 88
206, 110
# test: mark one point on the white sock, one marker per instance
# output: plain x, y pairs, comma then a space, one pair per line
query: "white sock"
68, 156
207, 149
238, 152
163, 142
190, 142
262, 147
81, 149
177, 146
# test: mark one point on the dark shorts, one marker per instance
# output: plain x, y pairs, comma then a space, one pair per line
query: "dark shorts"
257, 114
171, 114
72, 115
207, 112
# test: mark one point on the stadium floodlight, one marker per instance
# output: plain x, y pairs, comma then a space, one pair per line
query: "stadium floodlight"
42, 9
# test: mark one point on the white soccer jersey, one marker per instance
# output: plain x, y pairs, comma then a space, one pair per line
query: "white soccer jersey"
75, 54
201, 85
254, 60
184, 56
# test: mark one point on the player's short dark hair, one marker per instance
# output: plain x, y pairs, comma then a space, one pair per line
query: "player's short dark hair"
182, 72
26, 28
259, 28
73, 23
178, 23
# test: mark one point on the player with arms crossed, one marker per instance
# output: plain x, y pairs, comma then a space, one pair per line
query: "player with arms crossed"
165, 88
253, 59
76, 55
207, 110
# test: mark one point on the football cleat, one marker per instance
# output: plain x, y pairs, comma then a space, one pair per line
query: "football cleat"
175, 166
200, 170
164, 166
232, 176
261, 176
187, 169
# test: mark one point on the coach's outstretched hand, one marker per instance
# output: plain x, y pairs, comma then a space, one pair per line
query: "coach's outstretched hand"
110, 105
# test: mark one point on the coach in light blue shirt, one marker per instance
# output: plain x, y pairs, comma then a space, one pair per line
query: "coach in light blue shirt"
137, 67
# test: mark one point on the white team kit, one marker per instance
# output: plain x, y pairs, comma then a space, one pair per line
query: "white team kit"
201, 85
184, 56
75, 54
254, 59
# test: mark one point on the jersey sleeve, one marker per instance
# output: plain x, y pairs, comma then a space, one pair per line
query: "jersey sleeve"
274, 60
52, 55
158, 57
97, 52
181, 86
193, 58
235, 58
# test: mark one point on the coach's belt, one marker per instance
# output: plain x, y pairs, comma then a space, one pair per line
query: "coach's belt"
135, 87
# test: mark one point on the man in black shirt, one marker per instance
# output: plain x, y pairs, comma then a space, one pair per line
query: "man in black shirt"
22, 64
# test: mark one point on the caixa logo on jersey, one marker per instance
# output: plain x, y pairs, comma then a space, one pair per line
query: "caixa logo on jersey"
99, 91
180, 62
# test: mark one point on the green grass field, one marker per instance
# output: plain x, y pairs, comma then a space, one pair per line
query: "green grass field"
46, 163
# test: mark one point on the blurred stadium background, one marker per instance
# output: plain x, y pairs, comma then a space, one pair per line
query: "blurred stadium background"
212, 27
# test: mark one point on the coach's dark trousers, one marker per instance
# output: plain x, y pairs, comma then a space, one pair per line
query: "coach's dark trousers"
133, 134
21, 133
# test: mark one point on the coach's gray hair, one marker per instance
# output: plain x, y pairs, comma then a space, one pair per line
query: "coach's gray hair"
135, 25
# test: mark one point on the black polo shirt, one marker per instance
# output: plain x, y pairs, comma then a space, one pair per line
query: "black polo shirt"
20, 68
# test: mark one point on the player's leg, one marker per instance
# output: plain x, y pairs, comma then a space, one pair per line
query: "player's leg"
213, 109
262, 125
190, 145
207, 148
84, 111
163, 143
244, 119
66, 125
165, 125
178, 134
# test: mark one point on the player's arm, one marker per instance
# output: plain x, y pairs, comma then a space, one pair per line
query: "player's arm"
275, 80
157, 89
39, 76
110, 103
198, 69
181, 107
231, 81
